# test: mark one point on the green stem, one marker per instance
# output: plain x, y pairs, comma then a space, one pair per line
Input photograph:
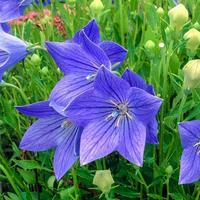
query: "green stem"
75, 180
180, 111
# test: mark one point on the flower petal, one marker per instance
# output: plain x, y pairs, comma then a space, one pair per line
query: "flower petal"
40, 109
92, 32
90, 106
116, 53
4, 56
67, 89
5, 27
85, 58
143, 105
65, 156
136, 80
111, 85
152, 132
132, 141
98, 139
189, 169
45, 133
189, 133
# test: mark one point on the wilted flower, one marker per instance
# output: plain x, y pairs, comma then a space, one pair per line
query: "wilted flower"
103, 180
96, 6
114, 116
12, 9
190, 159
191, 74
193, 39
137, 81
12, 50
80, 60
52, 130
178, 16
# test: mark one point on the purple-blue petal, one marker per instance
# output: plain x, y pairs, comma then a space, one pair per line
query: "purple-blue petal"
67, 89
98, 139
189, 133
90, 106
115, 52
44, 134
152, 132
39, 109
132, 140
92, 32
111, 85
143, 105
189, 169
5, 27
65, 155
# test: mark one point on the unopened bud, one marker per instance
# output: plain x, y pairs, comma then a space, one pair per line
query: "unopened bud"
160, 11
103, 180
197, 25
149, 45
191, 74
169, 170
193, 39
35, 59
96, 6
178, 16
45, 70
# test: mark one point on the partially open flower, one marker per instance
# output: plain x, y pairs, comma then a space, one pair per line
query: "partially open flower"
96, 6
193, 39
178, 16
103, 180
191, 74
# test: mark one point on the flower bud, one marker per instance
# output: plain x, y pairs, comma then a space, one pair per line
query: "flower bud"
160, 11
193, 39
96, 6
169, 170
35, 59
103, 180
178, 16
45, 70
197, 25
191, 74
149, 45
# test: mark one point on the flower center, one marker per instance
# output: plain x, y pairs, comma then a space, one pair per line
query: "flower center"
197, 145
66, 124
120, 111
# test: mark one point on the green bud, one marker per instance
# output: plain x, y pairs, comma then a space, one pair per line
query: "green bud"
193, 39
35, 59
149, 45
103, 180
178, 16
191, 74
160, 11
96, 6
45, 70
169, 170
197, 25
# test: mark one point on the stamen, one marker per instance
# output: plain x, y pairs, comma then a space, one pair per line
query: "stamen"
66, 124
112, 115
198, 147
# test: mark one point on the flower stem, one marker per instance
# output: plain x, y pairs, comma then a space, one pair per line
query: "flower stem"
75, 181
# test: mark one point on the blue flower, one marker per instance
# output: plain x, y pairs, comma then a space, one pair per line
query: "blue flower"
136, 81
51, 130
190, 159
12, 9
114, 116
80, 60
12, 50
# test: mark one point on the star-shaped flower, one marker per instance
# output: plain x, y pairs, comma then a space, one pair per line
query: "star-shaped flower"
190, 159
80, 60
114, 116
52, 130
